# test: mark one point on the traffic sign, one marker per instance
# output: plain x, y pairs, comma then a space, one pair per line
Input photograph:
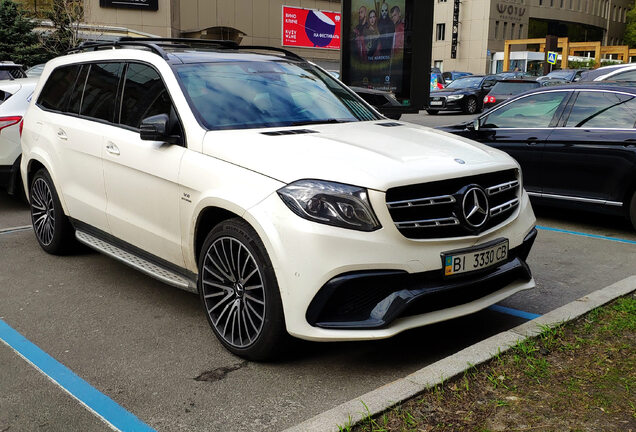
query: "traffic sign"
552, 57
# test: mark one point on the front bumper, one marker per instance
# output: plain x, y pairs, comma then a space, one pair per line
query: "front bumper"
366, 300
446, 105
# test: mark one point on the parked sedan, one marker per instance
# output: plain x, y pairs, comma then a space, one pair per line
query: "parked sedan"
576, 144
504, 90
453, 75
464, 94
14, 100
383, 101
569, 75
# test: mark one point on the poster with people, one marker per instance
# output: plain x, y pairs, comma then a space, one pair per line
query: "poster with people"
377, 44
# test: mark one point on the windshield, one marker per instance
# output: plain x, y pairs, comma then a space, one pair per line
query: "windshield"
255, 94
466, 83
503, 87
560, 74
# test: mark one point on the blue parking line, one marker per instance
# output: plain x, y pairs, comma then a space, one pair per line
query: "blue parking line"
620, 240
514, 312
99, 404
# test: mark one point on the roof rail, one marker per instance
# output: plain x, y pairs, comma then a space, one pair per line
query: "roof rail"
158, 44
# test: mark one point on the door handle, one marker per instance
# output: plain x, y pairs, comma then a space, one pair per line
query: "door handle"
532, 141
112, 149
61, 134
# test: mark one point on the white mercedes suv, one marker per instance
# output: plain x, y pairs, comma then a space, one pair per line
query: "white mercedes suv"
255, 179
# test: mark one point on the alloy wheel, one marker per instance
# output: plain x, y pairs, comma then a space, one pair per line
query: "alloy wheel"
233, 292
42, 211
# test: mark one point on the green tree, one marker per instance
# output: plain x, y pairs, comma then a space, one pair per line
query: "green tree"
630, 28
18, 41
66, 16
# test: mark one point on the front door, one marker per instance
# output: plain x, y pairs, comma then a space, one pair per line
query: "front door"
141, 177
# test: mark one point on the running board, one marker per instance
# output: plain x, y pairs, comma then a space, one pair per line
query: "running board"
151, 269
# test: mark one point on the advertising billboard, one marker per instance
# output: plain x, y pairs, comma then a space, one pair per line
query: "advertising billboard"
387, 46
377, 44
310, 28
151, 5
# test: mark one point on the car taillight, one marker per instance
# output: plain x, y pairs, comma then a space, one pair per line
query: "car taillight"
9, 121
489, 99
440, 85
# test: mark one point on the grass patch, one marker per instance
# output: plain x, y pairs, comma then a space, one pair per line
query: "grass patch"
580, 376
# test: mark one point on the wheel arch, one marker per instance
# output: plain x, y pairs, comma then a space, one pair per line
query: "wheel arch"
208, 218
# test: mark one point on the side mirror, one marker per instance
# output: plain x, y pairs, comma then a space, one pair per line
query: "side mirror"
155, 128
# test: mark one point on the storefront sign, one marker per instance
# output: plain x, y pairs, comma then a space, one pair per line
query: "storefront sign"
151, 5
311, 28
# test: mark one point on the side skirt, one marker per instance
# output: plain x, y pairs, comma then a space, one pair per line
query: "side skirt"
135, 258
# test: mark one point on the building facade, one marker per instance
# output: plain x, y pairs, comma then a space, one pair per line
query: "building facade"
250, 22
484, 25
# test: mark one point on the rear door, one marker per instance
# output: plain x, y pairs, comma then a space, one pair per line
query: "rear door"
75, 122
593, 154
521, 128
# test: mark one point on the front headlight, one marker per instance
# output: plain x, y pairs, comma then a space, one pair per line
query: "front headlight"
455, 97
331, 203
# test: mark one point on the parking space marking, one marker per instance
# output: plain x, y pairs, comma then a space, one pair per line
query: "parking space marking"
111, 413
616, 239
514, 312
15, 229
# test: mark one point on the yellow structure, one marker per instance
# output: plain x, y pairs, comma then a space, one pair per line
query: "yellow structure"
570, 48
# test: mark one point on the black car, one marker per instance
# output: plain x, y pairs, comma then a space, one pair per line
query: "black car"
464, 94
385, 102
504, 90
576, 144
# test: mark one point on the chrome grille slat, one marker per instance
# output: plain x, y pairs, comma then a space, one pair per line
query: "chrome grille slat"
502, 187
504, 207
435, 210
436, 200
428, 223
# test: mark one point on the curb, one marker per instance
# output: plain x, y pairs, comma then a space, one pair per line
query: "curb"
385, 397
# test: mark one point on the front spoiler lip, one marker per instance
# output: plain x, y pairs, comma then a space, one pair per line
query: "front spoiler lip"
416, 288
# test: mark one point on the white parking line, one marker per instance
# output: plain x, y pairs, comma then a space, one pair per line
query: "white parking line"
15, 229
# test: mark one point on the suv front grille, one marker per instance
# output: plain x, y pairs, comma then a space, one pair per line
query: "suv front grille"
436, 209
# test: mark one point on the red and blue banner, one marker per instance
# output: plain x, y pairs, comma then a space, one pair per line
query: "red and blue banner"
311, 28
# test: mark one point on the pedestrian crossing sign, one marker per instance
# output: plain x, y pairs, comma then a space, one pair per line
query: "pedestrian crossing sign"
552, 57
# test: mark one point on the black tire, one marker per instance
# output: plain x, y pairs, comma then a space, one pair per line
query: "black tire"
240, 294
632, 210
52, 228
471, 106
432, 112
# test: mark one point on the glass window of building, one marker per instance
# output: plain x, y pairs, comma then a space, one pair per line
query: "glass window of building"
441, 32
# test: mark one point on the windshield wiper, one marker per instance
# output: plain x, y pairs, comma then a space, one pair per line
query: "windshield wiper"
323, 121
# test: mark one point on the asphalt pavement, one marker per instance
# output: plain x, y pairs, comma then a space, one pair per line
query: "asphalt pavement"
147, 347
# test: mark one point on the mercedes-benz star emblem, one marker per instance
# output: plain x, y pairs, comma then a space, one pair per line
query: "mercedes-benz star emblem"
475, 207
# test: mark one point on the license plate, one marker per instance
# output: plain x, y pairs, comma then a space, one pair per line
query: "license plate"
468, 260
437, 103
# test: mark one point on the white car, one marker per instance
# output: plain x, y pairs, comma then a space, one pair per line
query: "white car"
257, 180
15, 96
618, 72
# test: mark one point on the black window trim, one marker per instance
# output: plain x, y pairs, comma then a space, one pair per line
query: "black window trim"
119, 95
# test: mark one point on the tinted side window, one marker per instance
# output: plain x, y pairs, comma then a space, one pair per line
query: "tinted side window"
603, 110
535, 111
58, 88
76, 95
100, 91
624, 76
144, 95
